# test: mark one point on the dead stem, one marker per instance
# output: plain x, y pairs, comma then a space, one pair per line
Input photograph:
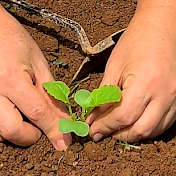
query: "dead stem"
73, 87
68, 23
72, 25
60, 159
79, 69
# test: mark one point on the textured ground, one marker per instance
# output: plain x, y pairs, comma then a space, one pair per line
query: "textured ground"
106, 158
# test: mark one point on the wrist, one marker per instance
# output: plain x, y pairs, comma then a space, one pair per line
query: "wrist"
159, 13
165, 5
155, 16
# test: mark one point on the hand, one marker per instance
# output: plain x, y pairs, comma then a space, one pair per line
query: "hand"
23, 69
143, 64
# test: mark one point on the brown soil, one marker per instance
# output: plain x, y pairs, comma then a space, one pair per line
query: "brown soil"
106, 158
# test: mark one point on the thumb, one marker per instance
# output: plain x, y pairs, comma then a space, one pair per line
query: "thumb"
98, 111
42, 74
111, 77
113, 69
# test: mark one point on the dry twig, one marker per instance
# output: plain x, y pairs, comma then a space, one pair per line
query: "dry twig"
72, 25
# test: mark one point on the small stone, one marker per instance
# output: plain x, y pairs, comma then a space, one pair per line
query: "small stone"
29, 166
44, 174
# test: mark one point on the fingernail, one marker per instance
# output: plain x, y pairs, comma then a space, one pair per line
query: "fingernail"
61, 145
97, 137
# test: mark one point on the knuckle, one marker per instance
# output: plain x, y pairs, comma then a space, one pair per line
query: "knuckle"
38, 112
6, 71
8, 75
11, 132
154, 79
4, 74
141, 133
124, 120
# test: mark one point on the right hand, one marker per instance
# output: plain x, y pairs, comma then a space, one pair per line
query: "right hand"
23, 69
143, 65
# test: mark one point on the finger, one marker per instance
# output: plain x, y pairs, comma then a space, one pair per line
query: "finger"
143, 128
13, 128
44, 76
123, 114
111, 77
97, 111
34, 106
59, 140
166, 122
1, 139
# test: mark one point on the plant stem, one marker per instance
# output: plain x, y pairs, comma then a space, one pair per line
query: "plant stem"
88, 112
82, 118
129, 145
70, 111
85, 114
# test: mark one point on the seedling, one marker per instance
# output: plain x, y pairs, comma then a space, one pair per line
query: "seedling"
87, 100
126, 146
60, 63
54, 168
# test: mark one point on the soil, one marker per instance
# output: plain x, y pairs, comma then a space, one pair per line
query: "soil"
84, 157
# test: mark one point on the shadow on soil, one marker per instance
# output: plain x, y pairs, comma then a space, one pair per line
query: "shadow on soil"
168, 135
46, 30
97, 62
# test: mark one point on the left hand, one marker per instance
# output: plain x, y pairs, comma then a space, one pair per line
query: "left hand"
23, 69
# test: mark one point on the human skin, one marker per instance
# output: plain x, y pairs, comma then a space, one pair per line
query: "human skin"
23, 69
143, 64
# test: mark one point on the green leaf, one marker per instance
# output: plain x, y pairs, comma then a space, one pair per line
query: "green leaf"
65, 125
102, 95
82, 97
105, 94
79, 128
58, 89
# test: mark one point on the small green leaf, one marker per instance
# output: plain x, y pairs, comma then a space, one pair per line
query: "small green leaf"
65, 125
102, 95
79, 128
82, 97
58, 89
105, 94
57, 62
